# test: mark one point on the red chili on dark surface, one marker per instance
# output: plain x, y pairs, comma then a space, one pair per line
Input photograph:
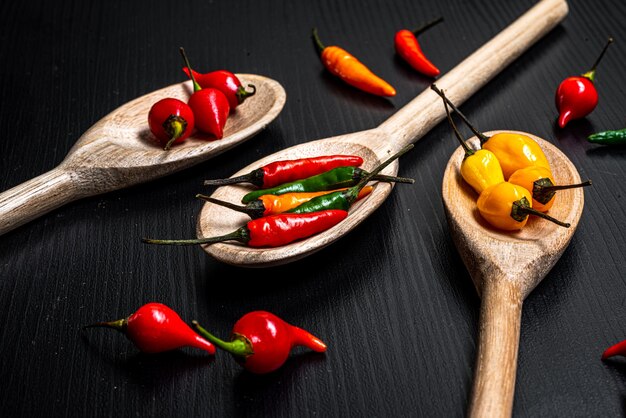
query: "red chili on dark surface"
171, 121
576, 97
271, 231
261, 342
210, 106
409, 49
226, 82
286, 171
618, 349
155, 328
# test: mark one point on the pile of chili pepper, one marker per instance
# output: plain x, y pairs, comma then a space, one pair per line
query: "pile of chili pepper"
216, 95
510, 173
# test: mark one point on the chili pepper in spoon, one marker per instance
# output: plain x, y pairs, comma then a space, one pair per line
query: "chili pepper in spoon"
261, 342
617, 137
155, 328
576, 96
344, 65
618, 349
226, 82
407, 46
171, 121
210, 106
285, 171
271, 231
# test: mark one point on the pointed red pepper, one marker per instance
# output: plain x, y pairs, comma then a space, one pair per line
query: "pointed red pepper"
226, 82
409, 49
618, 349
261, 341
155, 328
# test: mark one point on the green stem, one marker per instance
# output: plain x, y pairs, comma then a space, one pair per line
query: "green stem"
242, 94
240, 346
531, 211
318, 43
565, 186
466, 148
591, 74
177, 129
120, 325
240, 235
483, 138
427, 26
393, 179
254, 211
196, 86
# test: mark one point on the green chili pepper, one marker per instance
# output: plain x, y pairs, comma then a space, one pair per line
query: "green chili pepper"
609, 137
336, 178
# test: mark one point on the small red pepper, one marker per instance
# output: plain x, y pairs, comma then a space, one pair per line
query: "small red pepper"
171, 121
409, 49
618, 349
286, 171
226, 82
261, 341
155, 328
576, 97
210, 106
271, 231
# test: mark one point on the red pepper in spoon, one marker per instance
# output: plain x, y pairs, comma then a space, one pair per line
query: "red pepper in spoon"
576, 96
226, 82
409, 49
155, 328
210, 106
261, 341
171, 121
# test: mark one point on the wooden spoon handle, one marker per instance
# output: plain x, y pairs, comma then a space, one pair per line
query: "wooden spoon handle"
420, 115
36, 197
496, 358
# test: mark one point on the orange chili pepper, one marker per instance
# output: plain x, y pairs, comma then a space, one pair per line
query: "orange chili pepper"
345, 66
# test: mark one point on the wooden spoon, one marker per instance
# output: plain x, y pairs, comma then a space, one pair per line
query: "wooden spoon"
505, 267
407, 125
118, 151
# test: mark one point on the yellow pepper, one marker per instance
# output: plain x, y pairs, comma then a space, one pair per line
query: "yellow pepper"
539, 181
507, 206
515, 151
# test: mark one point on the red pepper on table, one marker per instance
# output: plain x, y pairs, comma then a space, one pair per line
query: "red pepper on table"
170, 121
271, 231
226, 82
261, 341
618, 349
409, 49
576, 97
155, 328
286, 171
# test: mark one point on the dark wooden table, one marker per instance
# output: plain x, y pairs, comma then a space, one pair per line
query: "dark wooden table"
392, 299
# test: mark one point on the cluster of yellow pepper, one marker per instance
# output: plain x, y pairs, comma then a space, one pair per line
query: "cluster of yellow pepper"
511, 175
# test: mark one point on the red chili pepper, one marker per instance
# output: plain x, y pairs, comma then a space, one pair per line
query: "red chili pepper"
271, 231
286, 171
171, 121
576, 97
618, 349
261, 341
226, 82
155, 328
210, 106
409, 49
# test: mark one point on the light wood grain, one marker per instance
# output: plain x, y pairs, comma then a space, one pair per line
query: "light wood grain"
505, 267
408, 125
119, 151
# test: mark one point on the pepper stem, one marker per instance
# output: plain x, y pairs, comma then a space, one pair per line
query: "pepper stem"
524, 208
240, 235
591, 74
318, 43
466, 148
239, 346
427, 26
251, 211
483, 138
255, 177
565, 186
196, 86
175, 126
120, 325
242, 94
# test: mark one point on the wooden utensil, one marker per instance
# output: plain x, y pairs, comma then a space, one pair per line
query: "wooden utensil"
118, 151
505, 267
407, 125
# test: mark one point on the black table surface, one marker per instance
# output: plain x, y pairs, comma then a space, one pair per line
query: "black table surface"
392, 299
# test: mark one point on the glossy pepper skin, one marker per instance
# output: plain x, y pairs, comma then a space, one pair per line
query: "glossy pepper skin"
407, 47
285, 171
344, 65
261, 341
576, 96
618, 349
271, 231
514, 151
155, 328
616, 137
171, 121
226, 82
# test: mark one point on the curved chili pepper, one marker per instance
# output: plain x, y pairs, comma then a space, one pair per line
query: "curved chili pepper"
226, 82
261, 341
285, 171
618, 349
407, 46
155, 328
336, 178
617, 137
271, 231
576, 97
344, 65
269, 204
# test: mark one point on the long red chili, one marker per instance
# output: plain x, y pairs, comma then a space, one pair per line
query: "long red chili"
618, 349
271, 231
407, 46
286, 171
